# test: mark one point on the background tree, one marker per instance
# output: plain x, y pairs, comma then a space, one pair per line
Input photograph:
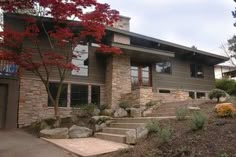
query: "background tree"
91, 18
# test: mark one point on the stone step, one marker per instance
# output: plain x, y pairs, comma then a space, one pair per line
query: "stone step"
111, 137
140, 119
120, 131
126, 125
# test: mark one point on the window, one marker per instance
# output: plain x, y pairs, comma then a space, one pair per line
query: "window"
79, 95
201, 95
140, 76
192, 95
95, 96
81, 60
53, 87
163, 67
164, 91
196, 71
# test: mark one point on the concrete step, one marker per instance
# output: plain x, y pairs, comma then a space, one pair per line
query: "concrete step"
111, 137
119, 131
126, 125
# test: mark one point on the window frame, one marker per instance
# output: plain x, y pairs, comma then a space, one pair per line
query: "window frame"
196, 71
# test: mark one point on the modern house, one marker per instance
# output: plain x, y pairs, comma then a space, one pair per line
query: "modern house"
149, 68
225, 70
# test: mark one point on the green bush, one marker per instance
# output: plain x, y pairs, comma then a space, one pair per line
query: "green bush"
151, 103
181, 113
124, 104
164, 134
227, 85
197, 121
216, 93
153, 126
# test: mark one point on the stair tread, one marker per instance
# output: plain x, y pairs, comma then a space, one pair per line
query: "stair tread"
112, 128
109, 134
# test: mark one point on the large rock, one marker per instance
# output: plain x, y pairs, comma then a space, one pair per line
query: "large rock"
134, 135
107, 112
58, 133
120, 112
99, 127
135, 112
79, 132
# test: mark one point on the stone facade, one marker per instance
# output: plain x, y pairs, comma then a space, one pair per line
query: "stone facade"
141, 96
33, 103
118, 80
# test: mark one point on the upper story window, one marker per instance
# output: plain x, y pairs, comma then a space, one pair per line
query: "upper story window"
81, 60
196, 71
163, 67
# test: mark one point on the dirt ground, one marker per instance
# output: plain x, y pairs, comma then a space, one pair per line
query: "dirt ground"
217, 139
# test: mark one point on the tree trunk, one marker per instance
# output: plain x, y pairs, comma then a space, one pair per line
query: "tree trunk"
56, 114
218, 99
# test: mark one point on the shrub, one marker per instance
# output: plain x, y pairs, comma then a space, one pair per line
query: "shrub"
232, 99
153, 126
164, 134
103, 107
197, 121
181, 113
216, 93
225, 110
151, 103
124, 104
88, 109
227, 85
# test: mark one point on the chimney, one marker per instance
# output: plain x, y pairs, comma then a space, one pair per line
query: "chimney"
123, 23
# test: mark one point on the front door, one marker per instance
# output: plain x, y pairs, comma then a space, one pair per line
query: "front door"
140, 76
3, 104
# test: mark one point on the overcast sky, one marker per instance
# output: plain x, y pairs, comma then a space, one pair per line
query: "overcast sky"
207, 24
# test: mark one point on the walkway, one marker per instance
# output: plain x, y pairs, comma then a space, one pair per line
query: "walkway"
17, 143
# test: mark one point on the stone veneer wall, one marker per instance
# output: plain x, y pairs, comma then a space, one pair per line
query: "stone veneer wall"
141, 96
33, 103
118, 80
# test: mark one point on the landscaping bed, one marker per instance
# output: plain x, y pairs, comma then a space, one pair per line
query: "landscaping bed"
216, 139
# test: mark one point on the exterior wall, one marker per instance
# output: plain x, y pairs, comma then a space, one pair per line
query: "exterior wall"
118, 38
12, 102
33, 103
118, 81
180, 78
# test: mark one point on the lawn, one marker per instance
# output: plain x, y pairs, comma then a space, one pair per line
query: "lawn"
216, 139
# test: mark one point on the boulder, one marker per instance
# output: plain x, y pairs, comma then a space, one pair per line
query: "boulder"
108, 122
135, 112
57, 133
79, 132
99, 127
134, 135
120, 112
96, 112
107, 112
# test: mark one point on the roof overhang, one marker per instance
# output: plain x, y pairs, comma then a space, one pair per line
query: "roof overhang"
185, 51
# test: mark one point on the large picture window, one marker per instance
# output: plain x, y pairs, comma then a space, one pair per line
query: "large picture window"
79, 95
81, 60
53, 87
196, 71
163, 67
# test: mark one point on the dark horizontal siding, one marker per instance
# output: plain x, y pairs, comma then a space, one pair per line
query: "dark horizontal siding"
180, 77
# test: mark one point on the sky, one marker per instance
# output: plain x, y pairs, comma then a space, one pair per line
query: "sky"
206, 24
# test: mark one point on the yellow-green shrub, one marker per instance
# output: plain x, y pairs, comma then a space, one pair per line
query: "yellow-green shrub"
225, 110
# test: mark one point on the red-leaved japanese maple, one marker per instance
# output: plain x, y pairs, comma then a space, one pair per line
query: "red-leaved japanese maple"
65, 24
